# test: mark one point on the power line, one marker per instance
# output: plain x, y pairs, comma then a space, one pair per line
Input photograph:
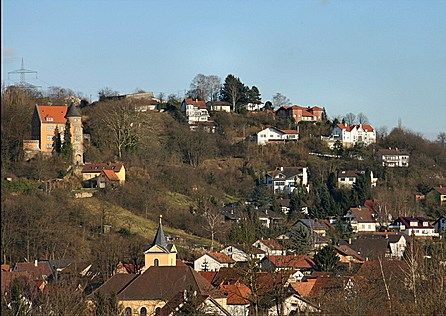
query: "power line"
22, 72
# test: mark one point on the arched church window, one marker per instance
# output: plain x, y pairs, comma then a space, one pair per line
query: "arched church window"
143, 311
156, 262
128, 311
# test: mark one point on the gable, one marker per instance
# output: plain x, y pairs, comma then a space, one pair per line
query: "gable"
155, 249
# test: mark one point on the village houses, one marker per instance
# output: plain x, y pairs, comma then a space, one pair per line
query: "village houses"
275, 135
437, 195
350, 135
100, 174
347, 178
287, 179
301, 113
417, 226
393, 157
362, 219
213, 261
270, 246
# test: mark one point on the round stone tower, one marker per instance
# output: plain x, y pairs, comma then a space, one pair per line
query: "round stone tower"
74, 117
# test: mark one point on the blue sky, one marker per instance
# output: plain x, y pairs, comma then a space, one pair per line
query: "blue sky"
386, 59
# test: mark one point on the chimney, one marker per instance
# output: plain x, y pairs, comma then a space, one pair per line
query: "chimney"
349, 241
35, 263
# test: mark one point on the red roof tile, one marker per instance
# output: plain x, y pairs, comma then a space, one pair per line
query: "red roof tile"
198, 103
272, 244
110, 175
220, 257
237, 293
289, 131
292, 261
52, 113
98, 167
303, 288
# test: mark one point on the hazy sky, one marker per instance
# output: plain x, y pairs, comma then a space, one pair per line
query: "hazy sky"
386, 59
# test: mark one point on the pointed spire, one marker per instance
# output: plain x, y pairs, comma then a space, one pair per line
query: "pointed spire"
73, 111
160, 238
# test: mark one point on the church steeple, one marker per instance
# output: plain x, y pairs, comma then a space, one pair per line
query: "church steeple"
160, 238
160, 252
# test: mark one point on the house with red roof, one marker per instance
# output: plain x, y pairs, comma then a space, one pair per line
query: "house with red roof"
362, 219
270, 246
287, 262
48, 129
195, 110
238, 295
103, 173
213, 261
301, 113
437, 195
275, 135
350, 135
417, 226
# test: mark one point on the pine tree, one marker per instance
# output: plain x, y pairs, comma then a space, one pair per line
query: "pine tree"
234, 92
57, 142
67, 147
254, 95
326, 259
362, 188
300, 240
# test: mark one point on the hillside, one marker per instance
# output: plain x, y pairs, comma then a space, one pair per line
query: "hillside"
121, 218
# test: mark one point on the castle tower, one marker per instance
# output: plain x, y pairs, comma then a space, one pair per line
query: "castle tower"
160, 252
74, 117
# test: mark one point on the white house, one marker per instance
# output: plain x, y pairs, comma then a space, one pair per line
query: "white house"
238, 255
397, 245
213, 261
415, 225
286, 179
346, 178
272, 134
362, 219
440, 224
195, 110
254, 106
220, 106
270, 246
350, 135
393, 157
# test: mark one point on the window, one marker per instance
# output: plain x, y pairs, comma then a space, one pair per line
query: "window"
156, 262
128, 311
143, 311
49, 119
49, 146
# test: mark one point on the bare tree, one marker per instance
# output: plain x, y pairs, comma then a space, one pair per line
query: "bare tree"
362, 118
441, 139
280, 100
350, 118
198, 87
382, 132
106, 92
161, 97
214, 87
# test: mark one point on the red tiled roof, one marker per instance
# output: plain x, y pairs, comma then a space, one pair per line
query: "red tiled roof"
307, 113
272, 244
39, 272
110, 175
317, 108
220, 257
52, 113
98, 167
419, 219
8, 276
289, 131
208, 275
298, 262
198, 103
303, 288
441, 190
349, 128
237, 293
363, 214
6, 267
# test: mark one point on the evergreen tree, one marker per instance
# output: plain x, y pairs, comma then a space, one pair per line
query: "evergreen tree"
326, 259
300, 240
268, 105
297, 201
234, 92
254, 95
362, 188
67, 148
261, 195
57, 147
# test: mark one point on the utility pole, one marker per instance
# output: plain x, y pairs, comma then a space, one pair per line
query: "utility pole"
22, 72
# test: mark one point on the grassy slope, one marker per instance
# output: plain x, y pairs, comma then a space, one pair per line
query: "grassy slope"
122, 218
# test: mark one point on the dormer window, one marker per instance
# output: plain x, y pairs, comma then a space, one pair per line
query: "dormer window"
425, 224
413, 224
49, 119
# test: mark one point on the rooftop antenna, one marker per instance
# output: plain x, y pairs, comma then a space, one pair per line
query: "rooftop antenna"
22, 71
